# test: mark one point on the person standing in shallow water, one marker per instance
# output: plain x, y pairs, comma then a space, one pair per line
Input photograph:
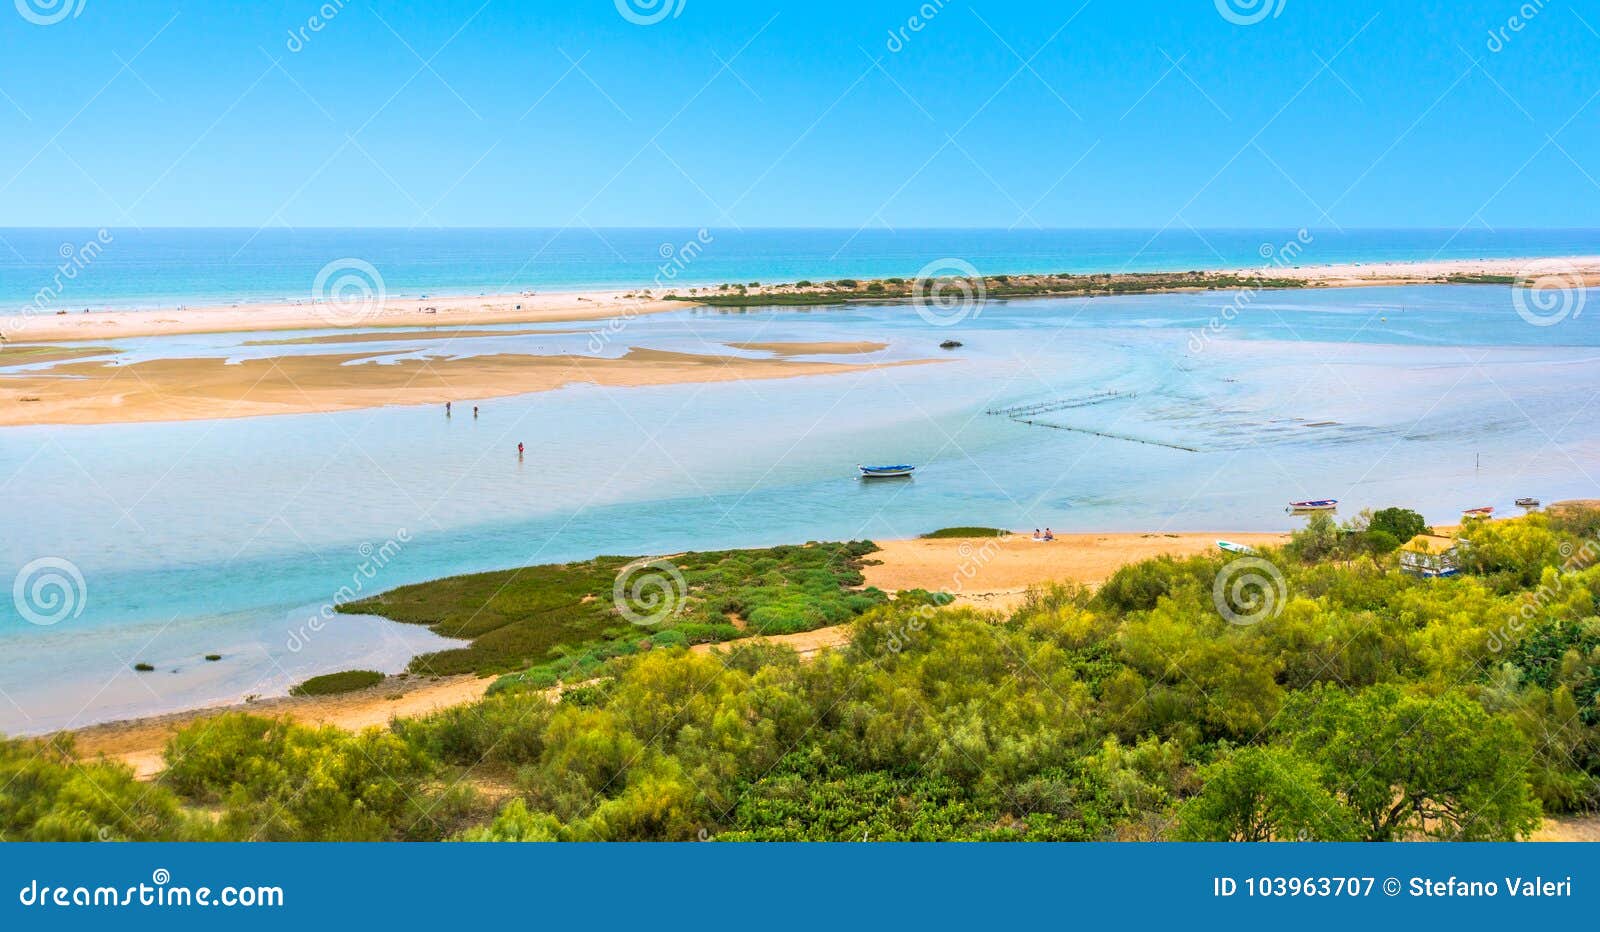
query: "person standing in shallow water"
474, 412
519, 449
447, 409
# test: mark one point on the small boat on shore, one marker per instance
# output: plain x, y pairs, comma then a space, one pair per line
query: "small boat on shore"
1232, 547
885, 472
1485, 511
1527, 503
1315, 504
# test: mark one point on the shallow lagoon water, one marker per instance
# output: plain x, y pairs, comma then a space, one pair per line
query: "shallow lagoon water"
227, 536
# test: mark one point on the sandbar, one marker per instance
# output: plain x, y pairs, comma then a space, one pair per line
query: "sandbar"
197, 388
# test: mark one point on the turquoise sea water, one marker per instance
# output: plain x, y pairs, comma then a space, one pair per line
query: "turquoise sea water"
228, 536
60, 269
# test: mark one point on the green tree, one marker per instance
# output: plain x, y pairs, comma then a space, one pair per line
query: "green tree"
1515, 552
1264, 794
1410, 765
1401, 524
1319, 540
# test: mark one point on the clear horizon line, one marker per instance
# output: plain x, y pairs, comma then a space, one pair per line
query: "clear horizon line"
858, 231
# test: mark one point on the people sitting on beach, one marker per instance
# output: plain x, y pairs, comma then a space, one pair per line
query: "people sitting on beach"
1048, 535
1037, 535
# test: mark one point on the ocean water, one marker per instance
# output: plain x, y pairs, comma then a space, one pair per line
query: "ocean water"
50, 270
229, 536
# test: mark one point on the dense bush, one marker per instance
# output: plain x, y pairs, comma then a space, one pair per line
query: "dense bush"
48, 794
967, 531
343, 682
279, 781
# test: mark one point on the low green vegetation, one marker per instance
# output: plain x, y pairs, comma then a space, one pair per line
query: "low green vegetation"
965, 532
1479, 279
995, 286
343, 682
563, 621
1344, 701
845, 290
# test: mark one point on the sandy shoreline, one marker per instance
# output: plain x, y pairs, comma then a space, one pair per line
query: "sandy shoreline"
1576, 270
996, 572
139, 742
1001, 569
441, 311
264, 317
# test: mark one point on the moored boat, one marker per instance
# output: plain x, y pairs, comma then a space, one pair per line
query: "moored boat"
885, 472
1232, 547
1481, 512
1527, 503
1315, 504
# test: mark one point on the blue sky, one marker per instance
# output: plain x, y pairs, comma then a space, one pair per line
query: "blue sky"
992, 114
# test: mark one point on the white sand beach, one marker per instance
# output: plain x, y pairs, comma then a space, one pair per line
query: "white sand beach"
443, 311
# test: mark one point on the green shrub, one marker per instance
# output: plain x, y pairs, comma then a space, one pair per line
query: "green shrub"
507, 727
278, 781
965, 532
330, 684
50, 794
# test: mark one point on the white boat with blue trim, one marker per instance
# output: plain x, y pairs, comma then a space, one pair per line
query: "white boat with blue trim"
1315, 504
